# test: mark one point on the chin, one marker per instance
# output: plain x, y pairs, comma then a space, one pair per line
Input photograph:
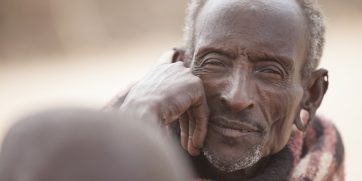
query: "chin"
229, 154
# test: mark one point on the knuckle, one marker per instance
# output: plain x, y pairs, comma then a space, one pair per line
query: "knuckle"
171, 113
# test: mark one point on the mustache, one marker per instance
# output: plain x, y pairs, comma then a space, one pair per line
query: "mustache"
243, 116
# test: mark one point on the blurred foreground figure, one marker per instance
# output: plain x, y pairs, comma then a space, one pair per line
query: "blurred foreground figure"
81, 145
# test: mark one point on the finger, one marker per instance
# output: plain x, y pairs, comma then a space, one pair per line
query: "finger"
190, 146
167, 119
178, 105
193, 151
184, 130
200, 114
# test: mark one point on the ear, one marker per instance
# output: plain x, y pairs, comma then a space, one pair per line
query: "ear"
178, 55
314, 90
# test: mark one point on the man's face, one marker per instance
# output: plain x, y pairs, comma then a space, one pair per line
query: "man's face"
249, 54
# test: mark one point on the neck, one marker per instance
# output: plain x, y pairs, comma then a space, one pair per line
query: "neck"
206, 170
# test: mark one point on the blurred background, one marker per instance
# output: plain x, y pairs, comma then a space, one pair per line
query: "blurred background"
82, 52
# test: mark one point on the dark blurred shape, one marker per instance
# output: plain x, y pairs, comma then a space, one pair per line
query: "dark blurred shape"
82, 145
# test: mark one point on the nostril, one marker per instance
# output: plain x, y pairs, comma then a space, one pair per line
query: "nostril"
236, 104
223, 100
251, 105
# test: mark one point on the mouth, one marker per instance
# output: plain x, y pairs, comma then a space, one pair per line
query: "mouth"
233, 129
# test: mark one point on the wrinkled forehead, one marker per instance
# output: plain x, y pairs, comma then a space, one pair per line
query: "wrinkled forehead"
264, 24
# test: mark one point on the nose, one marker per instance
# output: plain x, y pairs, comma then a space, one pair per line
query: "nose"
237, 98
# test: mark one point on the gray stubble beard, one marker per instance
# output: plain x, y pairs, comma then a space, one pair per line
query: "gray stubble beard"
253, 156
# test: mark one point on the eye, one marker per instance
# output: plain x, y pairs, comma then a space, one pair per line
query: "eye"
271, 72
212, 62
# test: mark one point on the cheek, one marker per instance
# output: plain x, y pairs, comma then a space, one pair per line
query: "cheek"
280, 107
214, 85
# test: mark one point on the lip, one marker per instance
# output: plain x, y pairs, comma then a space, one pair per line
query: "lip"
231, 128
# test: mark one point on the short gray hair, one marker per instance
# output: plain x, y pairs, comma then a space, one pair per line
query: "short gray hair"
314, 18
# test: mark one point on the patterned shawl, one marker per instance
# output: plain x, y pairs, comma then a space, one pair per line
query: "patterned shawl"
316, 154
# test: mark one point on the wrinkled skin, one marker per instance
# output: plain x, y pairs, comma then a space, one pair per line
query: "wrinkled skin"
249, 57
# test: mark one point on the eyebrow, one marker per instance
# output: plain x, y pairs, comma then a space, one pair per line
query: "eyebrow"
203, 51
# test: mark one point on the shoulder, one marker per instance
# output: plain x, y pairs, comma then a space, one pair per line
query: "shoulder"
322, 152
324, 136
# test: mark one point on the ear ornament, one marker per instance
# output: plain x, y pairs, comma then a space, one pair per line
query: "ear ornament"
303, 120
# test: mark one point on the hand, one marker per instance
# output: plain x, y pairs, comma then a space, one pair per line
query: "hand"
168, 93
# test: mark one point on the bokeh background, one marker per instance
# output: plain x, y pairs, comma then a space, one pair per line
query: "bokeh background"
82, 52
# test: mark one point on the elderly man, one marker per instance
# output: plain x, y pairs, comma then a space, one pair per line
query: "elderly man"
246, 73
